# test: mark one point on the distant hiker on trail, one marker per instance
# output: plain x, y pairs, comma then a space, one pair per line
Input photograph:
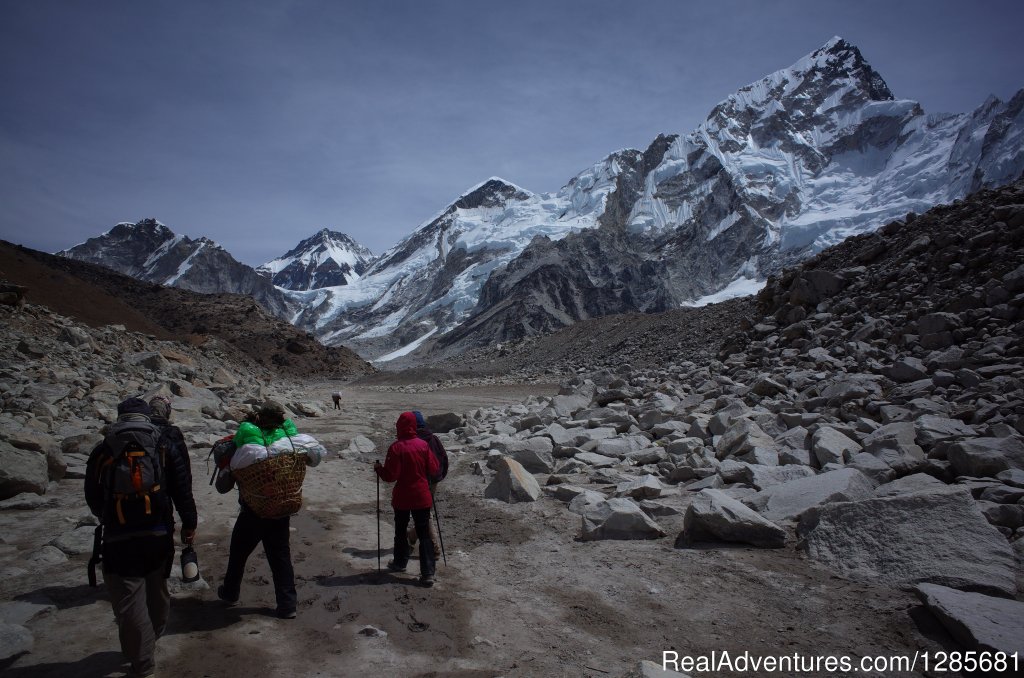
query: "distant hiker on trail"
269, 464
336, 397
437, 448
410, 465
132, 478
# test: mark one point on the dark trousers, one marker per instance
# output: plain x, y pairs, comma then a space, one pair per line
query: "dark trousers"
337, 404
421, 518
249, 531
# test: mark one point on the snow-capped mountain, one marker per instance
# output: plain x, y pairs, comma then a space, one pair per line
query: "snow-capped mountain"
786, 166
150, 251
431, 280
325, 259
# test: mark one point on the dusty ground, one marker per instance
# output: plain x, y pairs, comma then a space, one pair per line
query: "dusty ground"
518, 597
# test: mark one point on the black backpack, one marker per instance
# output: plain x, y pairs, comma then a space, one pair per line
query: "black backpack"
132, 476
437, 448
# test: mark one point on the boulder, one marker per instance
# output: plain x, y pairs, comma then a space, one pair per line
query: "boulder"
939, 537
361, 445
715, 516
443, 423
906, 370
512, 483
976, 621
832, 447
76, 542
741, 437
982, 457
535, 460
618, 519
21, 471
584, 501
762, 477
645, 487
14, 640
930, 429
917, 482
595, 460
788, 500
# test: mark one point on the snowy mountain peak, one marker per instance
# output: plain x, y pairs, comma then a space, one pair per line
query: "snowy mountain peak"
325, 259
493, 192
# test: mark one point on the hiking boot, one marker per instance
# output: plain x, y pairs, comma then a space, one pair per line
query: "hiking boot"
286, 614
224, 598
427, 580
395, 567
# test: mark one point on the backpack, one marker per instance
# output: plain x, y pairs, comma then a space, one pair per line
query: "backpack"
437, 448
132, 476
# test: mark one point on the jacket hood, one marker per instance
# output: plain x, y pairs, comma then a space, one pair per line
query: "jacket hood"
420, 421
406, 425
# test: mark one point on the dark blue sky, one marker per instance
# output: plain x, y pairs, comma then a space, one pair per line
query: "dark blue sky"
257, 123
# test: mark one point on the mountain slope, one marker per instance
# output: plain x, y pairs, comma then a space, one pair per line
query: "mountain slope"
148, 250
325, 259
103, 297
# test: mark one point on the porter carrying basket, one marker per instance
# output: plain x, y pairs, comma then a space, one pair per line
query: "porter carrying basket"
272, 488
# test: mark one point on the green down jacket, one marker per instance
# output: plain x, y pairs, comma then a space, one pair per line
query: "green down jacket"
251, 433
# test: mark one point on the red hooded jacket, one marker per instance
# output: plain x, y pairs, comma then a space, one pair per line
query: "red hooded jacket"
409, 462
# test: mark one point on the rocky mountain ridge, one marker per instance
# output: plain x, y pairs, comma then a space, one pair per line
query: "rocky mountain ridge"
325, 259
148, 250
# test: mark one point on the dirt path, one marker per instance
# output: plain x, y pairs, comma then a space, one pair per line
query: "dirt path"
518, 597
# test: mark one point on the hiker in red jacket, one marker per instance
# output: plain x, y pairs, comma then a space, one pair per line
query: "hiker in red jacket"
410, 464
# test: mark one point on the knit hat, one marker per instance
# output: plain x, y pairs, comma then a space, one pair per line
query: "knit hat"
134, 406
271, 413
161, 406
420, 421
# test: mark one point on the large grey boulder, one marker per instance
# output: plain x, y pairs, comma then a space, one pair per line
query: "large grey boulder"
832, 447
584, 501
788, 500
443, 423
742, 437
21, 471
618, 519
512, 483
535, 460
977, 621
981, 457
715, 516
762, 477
644, 487
930, 429
596, 460
939, 537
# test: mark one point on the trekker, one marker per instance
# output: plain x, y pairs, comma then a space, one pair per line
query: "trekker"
410, 464
132, 478
269, 464
437, 448
336, 397
160, 416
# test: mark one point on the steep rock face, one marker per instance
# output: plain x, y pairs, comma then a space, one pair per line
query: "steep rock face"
149, 251
325, 259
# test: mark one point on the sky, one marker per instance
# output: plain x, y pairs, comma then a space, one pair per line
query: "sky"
257, 123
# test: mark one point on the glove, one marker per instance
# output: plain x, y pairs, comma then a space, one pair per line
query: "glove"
187, 535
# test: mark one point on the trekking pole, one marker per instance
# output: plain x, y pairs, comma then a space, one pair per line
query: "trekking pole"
378, 522
437, 521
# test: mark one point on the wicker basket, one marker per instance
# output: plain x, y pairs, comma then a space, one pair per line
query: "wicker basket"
273, 488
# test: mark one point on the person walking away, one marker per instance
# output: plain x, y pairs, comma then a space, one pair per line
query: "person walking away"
437, 448
336, 397
160, 416
410, 464
133, 477
269, 466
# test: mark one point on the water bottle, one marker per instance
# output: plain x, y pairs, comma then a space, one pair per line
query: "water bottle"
189, 565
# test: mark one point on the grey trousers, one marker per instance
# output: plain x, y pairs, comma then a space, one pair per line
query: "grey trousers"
141, 606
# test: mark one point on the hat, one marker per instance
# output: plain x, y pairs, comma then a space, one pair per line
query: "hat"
134, 406
420, 421
161, 406
271, 413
